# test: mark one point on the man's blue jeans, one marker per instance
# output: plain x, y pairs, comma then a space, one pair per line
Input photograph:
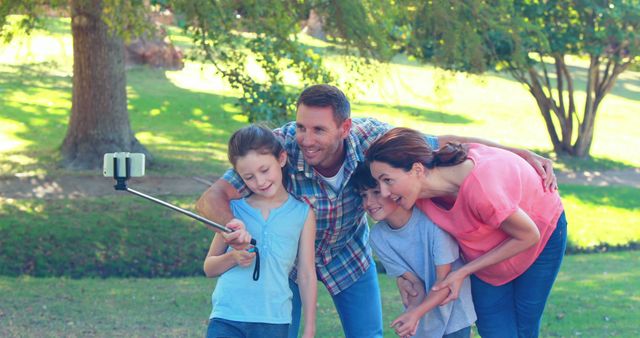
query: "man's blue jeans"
358, 306
515, 309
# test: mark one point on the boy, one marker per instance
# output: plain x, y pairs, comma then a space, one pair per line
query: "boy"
408, 243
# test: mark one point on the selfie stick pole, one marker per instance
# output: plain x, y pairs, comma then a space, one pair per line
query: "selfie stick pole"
122, 185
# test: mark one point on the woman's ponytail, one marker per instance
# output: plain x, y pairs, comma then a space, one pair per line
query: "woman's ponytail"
449, 155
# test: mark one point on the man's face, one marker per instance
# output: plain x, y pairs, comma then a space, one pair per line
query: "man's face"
320, 137
378, 207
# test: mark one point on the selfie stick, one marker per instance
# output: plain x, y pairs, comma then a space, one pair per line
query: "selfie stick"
121, 184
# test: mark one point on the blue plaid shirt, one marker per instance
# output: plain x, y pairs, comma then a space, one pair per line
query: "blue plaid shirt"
342, 248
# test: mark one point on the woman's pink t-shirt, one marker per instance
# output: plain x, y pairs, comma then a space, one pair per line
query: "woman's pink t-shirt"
499, 183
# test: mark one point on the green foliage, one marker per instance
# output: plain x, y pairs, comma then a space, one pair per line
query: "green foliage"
473, 35
125, 236
225, 33
522, 37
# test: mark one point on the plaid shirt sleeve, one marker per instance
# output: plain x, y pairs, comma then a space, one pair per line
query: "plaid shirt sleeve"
232, 177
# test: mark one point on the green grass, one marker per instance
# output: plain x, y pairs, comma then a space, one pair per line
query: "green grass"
185, 117
601, 215
595, 296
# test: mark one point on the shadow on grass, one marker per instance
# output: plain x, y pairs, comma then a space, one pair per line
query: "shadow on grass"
415, 113
188, 130
590, 163
618, 197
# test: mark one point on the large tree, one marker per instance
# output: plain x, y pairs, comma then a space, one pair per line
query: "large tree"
532, 39
99, 120
226, 33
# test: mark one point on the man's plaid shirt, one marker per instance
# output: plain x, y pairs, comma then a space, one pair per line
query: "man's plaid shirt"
342, 248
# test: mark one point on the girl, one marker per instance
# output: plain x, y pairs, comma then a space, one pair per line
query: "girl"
283, 228
512, 232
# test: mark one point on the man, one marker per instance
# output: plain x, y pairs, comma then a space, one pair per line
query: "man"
325, 146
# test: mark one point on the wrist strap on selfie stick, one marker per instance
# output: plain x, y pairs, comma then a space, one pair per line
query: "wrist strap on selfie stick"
121, 184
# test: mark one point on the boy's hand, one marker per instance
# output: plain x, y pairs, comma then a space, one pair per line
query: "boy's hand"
242, 257
406, 324
411, 289
239, 239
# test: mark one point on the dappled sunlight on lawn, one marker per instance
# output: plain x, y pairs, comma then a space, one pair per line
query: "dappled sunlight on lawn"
598, 215
9, 141
197, 77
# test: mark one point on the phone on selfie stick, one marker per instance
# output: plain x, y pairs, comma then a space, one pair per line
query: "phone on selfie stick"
122, 166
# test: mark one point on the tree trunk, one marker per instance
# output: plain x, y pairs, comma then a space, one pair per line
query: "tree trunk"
99, 121
544, 104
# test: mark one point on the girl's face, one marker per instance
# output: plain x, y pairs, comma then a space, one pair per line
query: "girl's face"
378, 207
262, 173
400, 186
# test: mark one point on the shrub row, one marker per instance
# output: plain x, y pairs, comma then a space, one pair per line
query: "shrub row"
102, 237
121, 236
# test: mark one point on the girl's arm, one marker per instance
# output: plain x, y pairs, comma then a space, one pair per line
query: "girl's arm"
218, 260
523, 234
407, 323
307, 279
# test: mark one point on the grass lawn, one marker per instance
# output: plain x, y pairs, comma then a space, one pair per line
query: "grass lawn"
595, 296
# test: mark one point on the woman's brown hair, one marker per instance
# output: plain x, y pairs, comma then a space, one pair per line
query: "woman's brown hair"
402, 147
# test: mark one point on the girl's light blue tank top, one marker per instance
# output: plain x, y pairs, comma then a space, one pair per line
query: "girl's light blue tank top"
268, 300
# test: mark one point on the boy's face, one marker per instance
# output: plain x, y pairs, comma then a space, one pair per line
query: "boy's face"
378, 207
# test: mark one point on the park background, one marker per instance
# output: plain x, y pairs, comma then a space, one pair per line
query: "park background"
77, 259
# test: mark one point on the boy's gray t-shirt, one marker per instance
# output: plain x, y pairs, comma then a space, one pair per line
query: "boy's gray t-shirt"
418, 247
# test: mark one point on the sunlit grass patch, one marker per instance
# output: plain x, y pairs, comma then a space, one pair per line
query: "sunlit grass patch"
601, 215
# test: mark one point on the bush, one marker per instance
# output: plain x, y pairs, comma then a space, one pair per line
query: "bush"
100, 237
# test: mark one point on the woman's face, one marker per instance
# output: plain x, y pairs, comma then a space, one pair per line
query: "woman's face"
401, 186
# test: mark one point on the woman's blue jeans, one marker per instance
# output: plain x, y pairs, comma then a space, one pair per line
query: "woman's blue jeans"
515, 309
358, 306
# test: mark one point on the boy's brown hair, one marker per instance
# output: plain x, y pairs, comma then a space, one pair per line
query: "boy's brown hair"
361, 179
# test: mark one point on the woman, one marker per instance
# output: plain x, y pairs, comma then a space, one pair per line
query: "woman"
512, 233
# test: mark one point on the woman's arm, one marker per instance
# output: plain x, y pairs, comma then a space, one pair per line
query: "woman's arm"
523, 234
218, 260
307, 279
407, 323
542, 165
